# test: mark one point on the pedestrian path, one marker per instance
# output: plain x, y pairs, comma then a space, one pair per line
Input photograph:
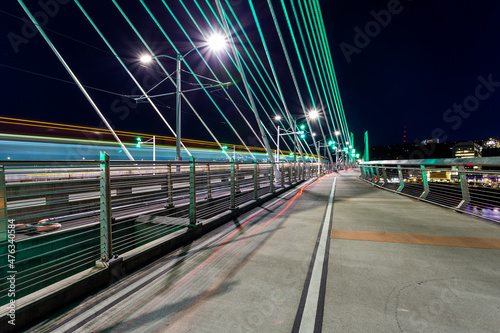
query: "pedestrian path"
334, 255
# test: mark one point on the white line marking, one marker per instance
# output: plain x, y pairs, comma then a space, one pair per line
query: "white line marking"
310, 307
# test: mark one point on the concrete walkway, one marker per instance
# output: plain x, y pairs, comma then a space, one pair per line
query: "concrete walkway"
398, 265
336, 255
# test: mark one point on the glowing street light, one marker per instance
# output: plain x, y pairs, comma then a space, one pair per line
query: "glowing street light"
313, 114
146, 58
216, 43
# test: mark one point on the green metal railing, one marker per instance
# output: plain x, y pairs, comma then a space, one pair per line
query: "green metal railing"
468, 185
71, 216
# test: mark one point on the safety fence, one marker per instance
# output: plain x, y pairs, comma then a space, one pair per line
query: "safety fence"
468, 185
60, 218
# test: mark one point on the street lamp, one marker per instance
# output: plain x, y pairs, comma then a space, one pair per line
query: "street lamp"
285, 132
331, 143
215, 42
152, 140
311, 115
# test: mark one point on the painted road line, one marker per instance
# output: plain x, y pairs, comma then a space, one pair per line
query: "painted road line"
310, 313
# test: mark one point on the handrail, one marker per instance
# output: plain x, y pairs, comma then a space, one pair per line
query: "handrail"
467, 185
494, 160
69, 216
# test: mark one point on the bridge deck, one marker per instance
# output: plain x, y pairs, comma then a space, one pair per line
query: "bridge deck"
370, 261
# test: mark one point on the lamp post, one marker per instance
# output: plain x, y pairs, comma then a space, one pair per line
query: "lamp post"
154, 146
216, 42
285, 132
313, 114
331, 144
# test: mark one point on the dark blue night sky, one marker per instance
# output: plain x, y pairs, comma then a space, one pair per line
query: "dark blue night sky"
431, 67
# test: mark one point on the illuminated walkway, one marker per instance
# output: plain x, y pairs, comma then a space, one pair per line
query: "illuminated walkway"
337, 255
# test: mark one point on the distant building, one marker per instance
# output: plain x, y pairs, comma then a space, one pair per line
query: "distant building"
491, 143
467, 149
429, 141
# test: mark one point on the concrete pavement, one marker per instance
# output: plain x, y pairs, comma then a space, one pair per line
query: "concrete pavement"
336, 255
387, 275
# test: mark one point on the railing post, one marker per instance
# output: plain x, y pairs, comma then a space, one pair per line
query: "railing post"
192, 191
209, 185
4, 218
271, 179
289, 173
256, 180
170, 187
401, 180
378, 175
384, 173
237, 178
282, 169
363, 170
465, 188
426, 183
233, 186
372, 173
295, 170
105, 209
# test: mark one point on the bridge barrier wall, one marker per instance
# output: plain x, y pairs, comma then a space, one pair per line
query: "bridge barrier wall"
466, 185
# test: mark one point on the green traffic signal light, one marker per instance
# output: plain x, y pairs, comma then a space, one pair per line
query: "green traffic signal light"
302, 136
302, 126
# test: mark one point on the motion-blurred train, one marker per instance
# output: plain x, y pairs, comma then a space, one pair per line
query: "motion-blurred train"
35, 140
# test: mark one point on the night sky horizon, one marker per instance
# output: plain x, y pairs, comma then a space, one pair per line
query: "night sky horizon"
429, 68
